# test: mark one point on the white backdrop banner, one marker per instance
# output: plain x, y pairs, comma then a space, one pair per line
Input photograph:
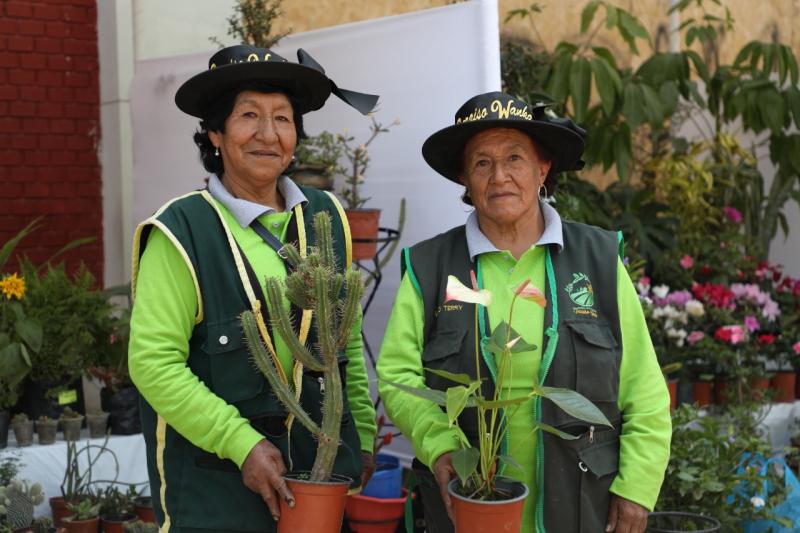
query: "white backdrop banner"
424, 65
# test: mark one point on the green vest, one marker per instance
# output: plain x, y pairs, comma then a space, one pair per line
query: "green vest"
202, 491
574, 476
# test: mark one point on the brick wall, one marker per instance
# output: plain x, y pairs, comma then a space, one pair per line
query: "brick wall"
50, 127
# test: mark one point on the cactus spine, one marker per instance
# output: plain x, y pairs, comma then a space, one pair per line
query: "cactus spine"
335, 299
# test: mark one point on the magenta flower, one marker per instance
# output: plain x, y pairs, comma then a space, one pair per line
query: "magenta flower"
696, 336
732, 214
686, 262
751, 323
737, 334
796, 348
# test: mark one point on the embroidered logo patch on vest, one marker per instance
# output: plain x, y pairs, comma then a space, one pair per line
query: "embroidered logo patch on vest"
582, 295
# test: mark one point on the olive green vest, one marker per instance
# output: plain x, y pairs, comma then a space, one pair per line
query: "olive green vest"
573, 476
202, 492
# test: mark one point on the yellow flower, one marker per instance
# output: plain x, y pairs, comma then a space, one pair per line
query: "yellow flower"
13, 286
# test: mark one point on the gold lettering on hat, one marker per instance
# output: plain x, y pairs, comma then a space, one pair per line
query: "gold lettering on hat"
510, 110
478, 114
213, 66
266, 57
252, 57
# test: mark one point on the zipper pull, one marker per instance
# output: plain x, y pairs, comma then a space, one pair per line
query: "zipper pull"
321, 384
591, 434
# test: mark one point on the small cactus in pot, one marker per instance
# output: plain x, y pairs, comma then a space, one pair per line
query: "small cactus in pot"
17, 501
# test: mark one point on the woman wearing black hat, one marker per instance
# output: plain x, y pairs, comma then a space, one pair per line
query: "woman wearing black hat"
217, 440
591, 335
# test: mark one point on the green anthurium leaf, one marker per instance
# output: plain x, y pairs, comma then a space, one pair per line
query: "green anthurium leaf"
580, 78
456, 399
510, 461
436, 396
464, 379
465, 461
31, 332
497, 341
553, 431
501, 404
576, 405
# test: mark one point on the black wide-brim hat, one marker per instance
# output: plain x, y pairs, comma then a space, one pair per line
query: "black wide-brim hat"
562, 138
235, 66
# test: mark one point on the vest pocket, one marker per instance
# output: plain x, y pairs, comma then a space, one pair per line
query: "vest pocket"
234, 376
598, 462
439, 349
596, 360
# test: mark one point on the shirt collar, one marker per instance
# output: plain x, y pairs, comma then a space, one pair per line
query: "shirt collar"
245, 211
478, 243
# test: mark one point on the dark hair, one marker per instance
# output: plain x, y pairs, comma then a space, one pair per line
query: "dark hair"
550, 181
219, 110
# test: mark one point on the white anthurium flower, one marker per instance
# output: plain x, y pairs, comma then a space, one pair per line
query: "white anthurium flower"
461, 293
528, 291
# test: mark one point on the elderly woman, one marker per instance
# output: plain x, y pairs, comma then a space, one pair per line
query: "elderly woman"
217, 440
591, 337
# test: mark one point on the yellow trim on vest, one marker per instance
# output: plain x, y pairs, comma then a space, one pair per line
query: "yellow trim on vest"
137, 243
161, 438
305, 319
348, 241
255, 305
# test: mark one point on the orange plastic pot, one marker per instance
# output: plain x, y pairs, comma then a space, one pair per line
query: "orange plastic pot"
701, 391
672, 387
318, 507
479, 516
784, 384
722, 392
364, 228
366, 514
82, 526
116, 526
143, 507
58, 506
759, 388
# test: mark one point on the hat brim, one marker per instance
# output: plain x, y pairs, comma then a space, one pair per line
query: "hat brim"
444, 149
308, 87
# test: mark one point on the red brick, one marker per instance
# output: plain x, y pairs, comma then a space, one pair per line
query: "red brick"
34, 61
21, 44
77, 110
88, 94
61, 94
57, 29
86, 158
3, 42
10, 157
8, 26
46, 12
3, 76
50, 109
36, 189
76, 79
8, 92
88, 64
78, 47
12, 190
24, 173
50, 78
19, 9
79, 174
9, 60
79, 142
88, 188
75, 14
63, 157
23, 109
48, 45
22, 77
35, 125
34, 93
52, 142
37, 158
59, 62
23, 142
3, 108
63, 190
9, 124
31, 27
62, 126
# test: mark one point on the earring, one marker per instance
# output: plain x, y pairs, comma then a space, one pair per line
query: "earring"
216, 151
542, 197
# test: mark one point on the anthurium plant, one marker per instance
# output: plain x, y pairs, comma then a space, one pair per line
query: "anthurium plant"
477, 467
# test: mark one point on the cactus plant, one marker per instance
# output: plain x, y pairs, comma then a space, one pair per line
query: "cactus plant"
335, 297
42, 525
17, 501
137, 526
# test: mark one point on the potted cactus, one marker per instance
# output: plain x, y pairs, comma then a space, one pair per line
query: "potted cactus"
335, 297
84, 517
23, 429
71, 422
17, 501
46, 429
137, 526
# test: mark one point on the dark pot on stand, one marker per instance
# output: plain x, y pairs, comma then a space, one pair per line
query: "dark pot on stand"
122, 407
5, 419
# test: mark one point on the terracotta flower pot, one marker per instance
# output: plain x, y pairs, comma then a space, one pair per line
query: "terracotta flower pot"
366, 514
784, 384
722, 392
58, 506
701, 391
478, 516
672, 387
116, 525
319, 507
759, 387
364, 227
82, 526
144, 509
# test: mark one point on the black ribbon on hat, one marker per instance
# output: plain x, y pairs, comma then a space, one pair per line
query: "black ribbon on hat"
362, 102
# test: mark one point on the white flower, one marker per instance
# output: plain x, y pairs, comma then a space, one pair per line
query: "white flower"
660, 291
757, 501
695, 308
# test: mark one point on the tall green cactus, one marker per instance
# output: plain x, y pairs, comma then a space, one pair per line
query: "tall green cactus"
316, 284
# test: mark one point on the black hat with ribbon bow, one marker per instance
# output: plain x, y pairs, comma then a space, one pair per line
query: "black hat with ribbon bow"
233, 66
564, 140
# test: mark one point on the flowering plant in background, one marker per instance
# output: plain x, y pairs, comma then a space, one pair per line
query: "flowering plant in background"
477, 467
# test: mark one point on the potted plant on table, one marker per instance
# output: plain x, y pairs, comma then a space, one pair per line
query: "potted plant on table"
482, 498
17, 501
46, 429
84, 516
116, 508
315, 284
23, 429
317, 161
71, 422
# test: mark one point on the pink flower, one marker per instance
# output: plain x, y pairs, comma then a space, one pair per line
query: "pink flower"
686, 262
751, 323
695, 337
459, 292
732, 214
796, 348
737, 334
528, 291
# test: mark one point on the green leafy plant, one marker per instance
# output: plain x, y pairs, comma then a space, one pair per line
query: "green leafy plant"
477, 468
319, 152
138, 526
335, 298
85, 509
358, 158
252, 23
77, 481
116, 504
